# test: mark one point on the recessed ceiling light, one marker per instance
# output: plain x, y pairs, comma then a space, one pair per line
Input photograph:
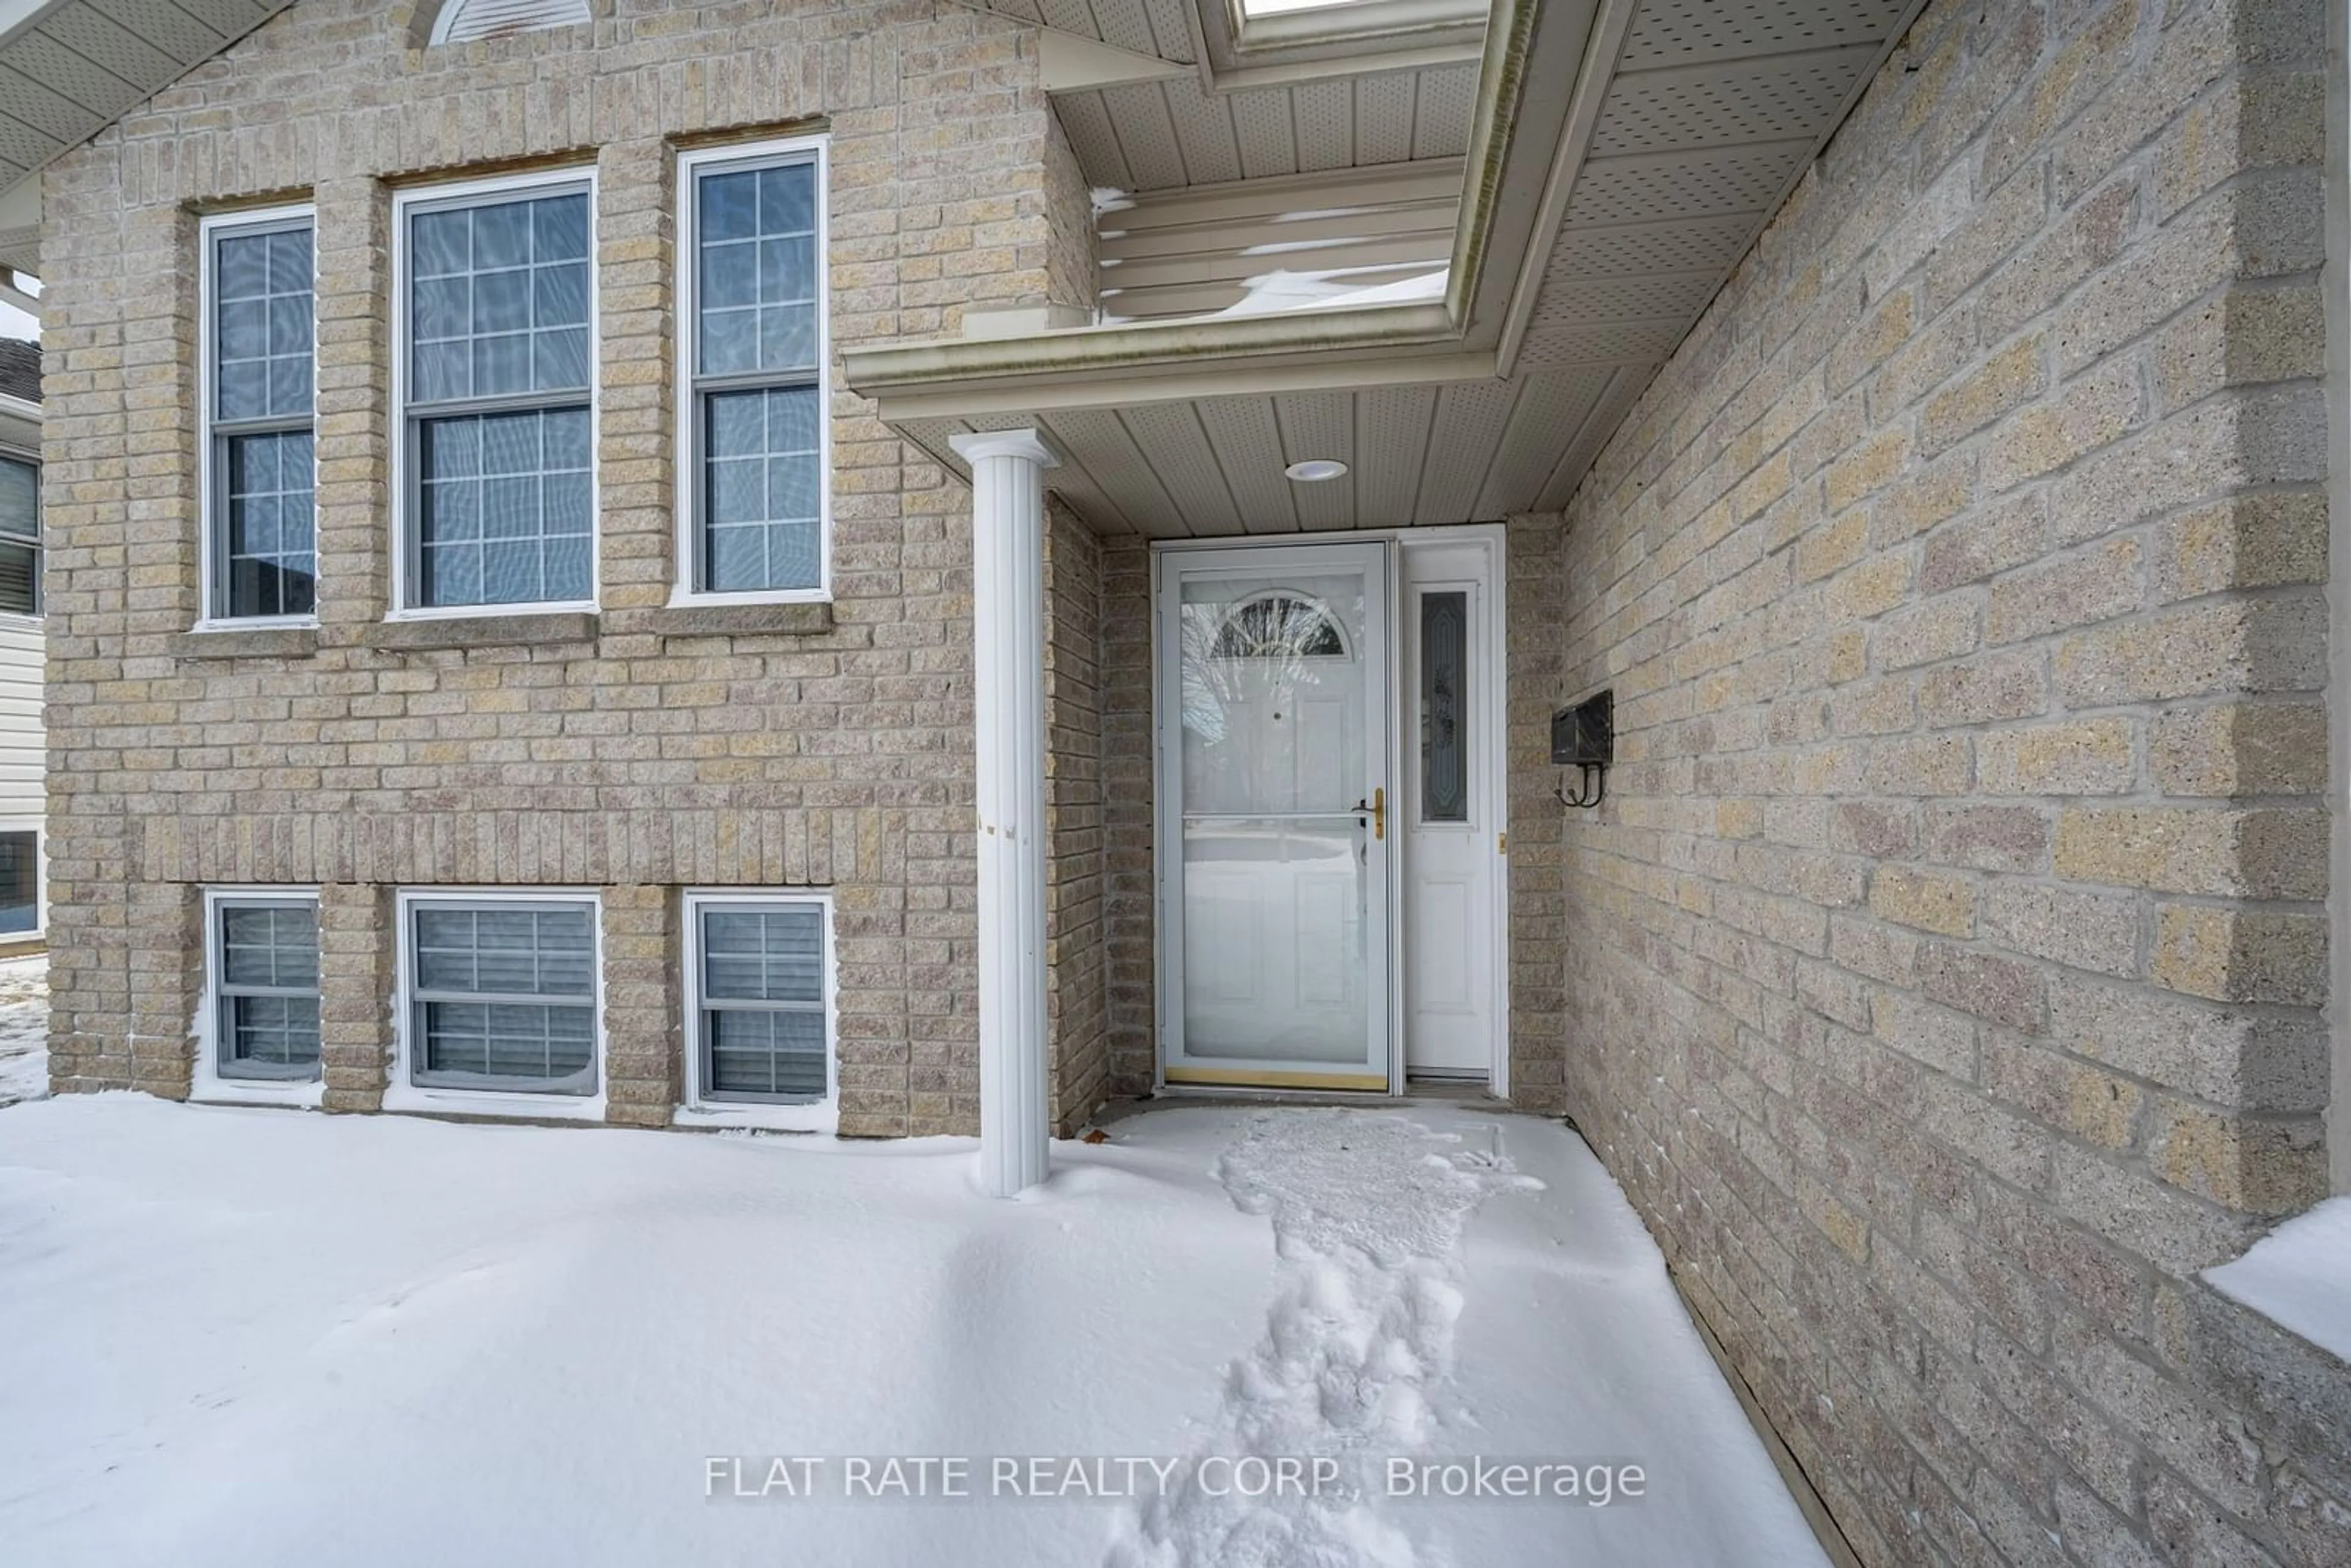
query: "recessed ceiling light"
1316, 468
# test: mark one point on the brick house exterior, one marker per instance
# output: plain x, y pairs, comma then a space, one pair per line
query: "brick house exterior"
1946, 975
638, 751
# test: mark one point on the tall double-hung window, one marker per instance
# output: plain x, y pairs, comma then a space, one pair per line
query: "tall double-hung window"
260, 502
496, 364
753, 492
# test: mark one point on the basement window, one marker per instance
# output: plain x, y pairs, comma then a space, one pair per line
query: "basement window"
758, 970
258, 1028
500, 998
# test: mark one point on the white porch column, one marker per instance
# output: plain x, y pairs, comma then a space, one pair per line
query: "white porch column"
1008, 616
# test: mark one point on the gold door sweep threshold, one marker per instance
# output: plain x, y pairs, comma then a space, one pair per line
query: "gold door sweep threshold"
1224, 1078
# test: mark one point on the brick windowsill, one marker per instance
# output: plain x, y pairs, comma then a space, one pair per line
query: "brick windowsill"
255, 642
799, 620
483, 631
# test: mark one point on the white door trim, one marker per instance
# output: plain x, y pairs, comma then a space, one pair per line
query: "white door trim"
1493, 710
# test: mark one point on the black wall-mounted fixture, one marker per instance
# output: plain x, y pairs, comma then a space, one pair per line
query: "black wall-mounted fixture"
1585, 737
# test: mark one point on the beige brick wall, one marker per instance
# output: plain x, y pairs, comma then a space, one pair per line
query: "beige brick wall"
636, 753
1128, 893
1943, 974
1077, 974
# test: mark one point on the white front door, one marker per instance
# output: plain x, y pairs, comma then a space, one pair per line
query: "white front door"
1450, 818
1274, 707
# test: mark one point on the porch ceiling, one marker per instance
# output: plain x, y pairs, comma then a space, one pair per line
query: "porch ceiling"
1637, 173
68, 66
1155, 135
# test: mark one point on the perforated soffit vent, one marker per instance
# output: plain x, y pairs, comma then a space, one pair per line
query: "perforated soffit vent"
462, 21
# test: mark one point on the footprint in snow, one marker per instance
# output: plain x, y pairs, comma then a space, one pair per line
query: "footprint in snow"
1368, 1212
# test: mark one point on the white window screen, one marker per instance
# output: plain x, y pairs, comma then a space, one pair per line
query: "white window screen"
761, 1026
503, 996
267, 987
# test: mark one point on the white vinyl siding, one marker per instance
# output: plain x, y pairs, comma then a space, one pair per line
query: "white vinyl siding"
23, 745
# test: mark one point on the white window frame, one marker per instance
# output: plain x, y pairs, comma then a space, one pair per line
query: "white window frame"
40, 831
403, 1093
813, 1116
32, 618
404, 503
687, 544
210, 231
207, 1084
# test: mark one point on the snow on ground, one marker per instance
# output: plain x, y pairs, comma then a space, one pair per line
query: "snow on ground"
260, 1337
2299, 1276
23, 1029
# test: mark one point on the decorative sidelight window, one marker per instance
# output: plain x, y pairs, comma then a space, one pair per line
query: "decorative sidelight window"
1444, 707
260, 500
496, 363
754, 493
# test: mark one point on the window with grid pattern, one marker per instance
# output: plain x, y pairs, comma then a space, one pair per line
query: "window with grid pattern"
499, 363
754, 363
760, 1022
503, 995
266, 950
20, 536
261, 276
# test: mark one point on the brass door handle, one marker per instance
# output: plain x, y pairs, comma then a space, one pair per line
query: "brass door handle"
1377, 808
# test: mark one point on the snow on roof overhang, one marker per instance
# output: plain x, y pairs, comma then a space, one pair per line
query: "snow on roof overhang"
1624, 159
1532, 53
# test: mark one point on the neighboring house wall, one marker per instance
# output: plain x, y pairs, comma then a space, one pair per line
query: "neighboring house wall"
1945, 969
638, 752
24, 762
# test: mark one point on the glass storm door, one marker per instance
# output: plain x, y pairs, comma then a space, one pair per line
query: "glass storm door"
1275, 833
